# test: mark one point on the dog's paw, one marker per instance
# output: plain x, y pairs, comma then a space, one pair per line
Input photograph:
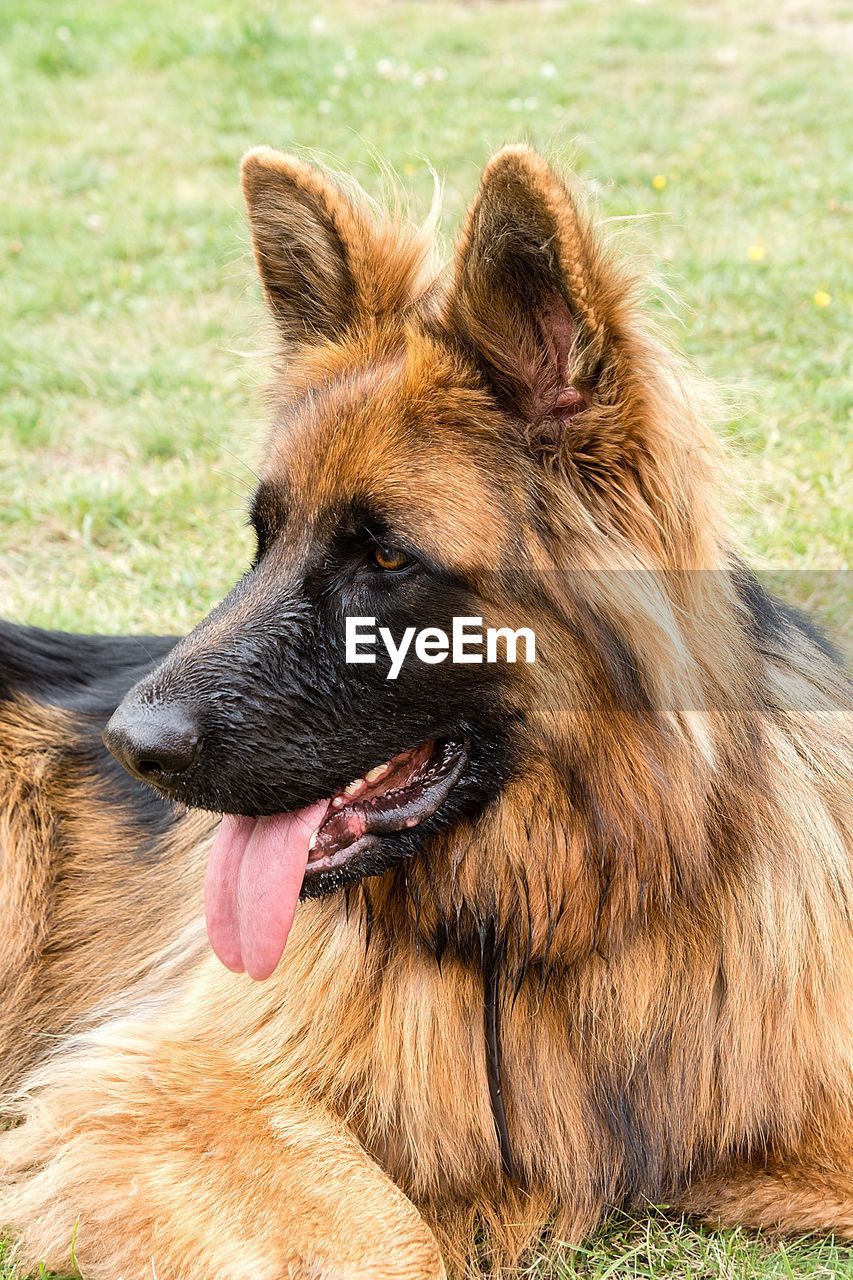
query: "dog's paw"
114, 1175
315, 1269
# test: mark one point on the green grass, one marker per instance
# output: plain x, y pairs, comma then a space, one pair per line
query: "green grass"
130, 416
655, 1247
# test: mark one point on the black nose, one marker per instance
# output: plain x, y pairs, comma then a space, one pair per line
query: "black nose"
153, 743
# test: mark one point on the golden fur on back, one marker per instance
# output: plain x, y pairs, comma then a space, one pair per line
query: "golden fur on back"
666, 888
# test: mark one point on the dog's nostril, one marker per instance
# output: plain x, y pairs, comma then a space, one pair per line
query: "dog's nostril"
151, 767
173, 754
168, 762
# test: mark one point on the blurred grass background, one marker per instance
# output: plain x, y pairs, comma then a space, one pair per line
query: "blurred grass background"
131, 330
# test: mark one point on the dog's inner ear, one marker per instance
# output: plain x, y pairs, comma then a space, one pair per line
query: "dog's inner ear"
520, 296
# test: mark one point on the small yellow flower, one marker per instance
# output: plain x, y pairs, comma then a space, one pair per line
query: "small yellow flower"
822, 298
755, 252
409, 170
658, 182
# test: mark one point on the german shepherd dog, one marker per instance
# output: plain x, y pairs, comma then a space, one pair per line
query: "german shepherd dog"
562, 935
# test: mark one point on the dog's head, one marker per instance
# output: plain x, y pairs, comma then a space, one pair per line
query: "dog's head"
439, 452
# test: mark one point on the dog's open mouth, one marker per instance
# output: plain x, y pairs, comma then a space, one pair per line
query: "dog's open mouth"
257, 866
391, 797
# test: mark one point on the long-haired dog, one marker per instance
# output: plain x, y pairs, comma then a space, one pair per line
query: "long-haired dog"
562, 934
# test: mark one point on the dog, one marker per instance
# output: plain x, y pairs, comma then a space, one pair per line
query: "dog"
499, 946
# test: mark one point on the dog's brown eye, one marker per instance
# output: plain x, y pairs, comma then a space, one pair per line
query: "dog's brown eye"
389, 557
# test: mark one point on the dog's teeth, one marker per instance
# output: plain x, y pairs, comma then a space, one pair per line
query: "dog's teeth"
351, 787
376, 773
337, 802
312, 842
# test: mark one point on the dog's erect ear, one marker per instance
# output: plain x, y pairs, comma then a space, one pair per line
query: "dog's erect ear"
531, 293
296, 217
325, 263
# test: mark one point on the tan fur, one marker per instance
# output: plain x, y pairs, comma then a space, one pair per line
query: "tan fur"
66, 954
677, 1012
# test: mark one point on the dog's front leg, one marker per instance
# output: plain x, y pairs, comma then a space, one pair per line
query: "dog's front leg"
181, 1169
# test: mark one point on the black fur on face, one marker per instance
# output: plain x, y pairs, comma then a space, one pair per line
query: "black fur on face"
284, 720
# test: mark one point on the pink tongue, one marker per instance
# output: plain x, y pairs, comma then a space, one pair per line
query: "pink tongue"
251, 888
